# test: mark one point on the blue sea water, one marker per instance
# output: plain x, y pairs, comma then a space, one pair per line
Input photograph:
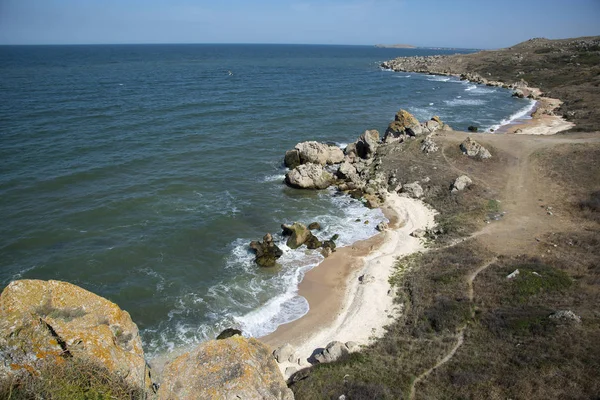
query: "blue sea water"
142, 172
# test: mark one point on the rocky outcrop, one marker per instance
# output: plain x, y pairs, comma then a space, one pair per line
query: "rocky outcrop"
314, 226
284, 353
367, 143
292, 159
51, 321
473, 149
309, 176
404, 123
461, 183
234, 368
266, 251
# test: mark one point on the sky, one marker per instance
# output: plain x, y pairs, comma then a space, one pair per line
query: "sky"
483, 24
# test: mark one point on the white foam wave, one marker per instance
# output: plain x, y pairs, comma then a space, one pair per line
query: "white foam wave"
464, 102
403, 76
435, 78
523, 113
274, 178
470, 87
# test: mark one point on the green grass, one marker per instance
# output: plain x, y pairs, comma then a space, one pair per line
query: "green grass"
537, 279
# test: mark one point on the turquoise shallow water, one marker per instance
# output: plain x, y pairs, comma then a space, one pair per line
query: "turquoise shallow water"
142, 172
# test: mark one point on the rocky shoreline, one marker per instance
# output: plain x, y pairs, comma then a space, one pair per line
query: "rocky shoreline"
545, 109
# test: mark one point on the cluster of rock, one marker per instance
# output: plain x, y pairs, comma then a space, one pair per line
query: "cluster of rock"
50, 322
332, 352
299, 234
356, 170
267, 252
406, 125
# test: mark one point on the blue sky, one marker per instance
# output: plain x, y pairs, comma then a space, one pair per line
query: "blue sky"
446, 23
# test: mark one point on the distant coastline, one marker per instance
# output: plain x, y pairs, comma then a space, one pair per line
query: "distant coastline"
395, 46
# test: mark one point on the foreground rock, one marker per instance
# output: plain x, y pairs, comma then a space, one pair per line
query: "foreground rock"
266, 251
367, 143
405, 124
233, 368
473, 149
51, 321
309, 176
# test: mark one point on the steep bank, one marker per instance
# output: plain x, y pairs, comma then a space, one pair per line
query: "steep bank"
574, 75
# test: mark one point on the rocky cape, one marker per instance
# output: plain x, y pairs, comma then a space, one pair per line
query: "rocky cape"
51, 322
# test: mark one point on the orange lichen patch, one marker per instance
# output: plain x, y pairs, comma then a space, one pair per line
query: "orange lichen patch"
54, 319
224, 369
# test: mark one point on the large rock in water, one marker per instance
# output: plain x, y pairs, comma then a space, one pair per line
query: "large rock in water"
309, 176
473, 149
266, 251
318, 153
233, 368
298, 234
50, 321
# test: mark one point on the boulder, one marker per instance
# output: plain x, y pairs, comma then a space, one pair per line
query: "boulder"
382, 226
336, 155
429, 146
283, 353
404, 124
266, 251
367, 144
292, 159
229, 332
309, 176
298, 234
234, 368
52, 321
473, 149
350, 150
313, 152
312, 242
461, 183
314, 226
352, 347
565, 316
432, 125
332, 352
372, 201
346, 170
413, 190
418, 233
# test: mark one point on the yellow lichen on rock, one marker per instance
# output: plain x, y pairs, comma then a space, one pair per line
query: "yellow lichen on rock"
225, 369
53, 320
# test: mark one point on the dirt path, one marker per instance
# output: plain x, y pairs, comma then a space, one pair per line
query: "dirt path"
460, 335
523, 189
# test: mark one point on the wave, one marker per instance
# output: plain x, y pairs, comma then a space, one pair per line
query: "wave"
470, 87
274, 178
523, 113
464, 102
436, 78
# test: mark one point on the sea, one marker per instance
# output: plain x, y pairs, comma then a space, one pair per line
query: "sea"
142, 172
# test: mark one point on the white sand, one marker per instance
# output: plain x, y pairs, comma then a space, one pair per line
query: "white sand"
368, 307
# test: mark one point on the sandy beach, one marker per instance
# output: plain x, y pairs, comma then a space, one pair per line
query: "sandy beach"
542, 120
344, 308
